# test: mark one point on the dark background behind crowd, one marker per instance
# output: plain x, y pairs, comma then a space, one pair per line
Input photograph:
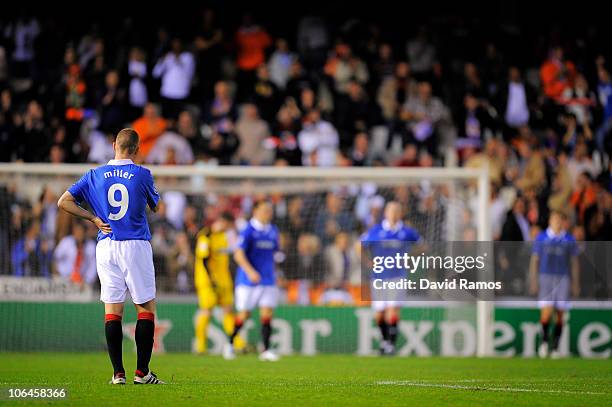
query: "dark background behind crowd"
522, 87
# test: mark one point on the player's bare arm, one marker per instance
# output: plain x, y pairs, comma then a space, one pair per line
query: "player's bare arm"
575, 270
69, 204
533, 274
242, 261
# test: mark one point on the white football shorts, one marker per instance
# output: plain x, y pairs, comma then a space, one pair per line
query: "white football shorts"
388, 298
554, 291
247, 297
125, 265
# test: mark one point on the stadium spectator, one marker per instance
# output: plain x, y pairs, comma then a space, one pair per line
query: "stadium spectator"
223, 146
318, 141
75, 257
516, 226
298, 80
100, 147
312, 40
422, 53
31, 255
280, 63
32, 134
175, 208
395, 90
149, 127
532, 170
180, 261
6, 125
354, 113
584, 196
209, 53
284, 140
424, 114
138, 95
343, 66
561, 188
557, 74
384, 66
252, 131
94, 72
309, 260
112, 104
497, 212
75, 94
604, 94
579, 100
187, 127
265, 95
473, 123
360, 152
46, 211
176, 70
333, 220
343, 267
515, 100
221, 112
171, 148
23, 33
580, 161
252, 41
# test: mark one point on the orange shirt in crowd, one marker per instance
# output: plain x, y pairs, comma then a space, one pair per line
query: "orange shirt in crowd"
252, 42
149, 131
583, 198
554, 80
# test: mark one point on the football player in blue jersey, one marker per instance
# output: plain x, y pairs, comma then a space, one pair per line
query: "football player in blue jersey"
118, 194
554, 272
256, 278
386, 239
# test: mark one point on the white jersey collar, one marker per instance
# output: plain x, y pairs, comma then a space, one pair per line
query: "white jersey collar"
257, 225
552, 235
387, 226
125, 161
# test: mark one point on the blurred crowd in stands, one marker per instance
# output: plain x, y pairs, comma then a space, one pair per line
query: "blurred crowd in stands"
319, 96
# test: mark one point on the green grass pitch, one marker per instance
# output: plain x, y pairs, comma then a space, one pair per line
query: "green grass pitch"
324, 380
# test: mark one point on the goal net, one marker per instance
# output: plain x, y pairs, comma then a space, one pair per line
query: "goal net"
321, 215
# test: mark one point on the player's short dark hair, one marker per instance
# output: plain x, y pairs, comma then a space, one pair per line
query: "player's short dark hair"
259, 203
558, 212
127, 141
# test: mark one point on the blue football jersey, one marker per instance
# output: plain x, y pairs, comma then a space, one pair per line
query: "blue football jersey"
259, 243
118, 193
555, 252
384, 241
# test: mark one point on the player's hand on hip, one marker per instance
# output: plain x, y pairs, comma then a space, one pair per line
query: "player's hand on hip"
254, 276
104, 227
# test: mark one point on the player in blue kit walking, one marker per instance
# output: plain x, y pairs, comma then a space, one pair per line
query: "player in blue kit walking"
388, 238
118, 194
256, 278
554, 268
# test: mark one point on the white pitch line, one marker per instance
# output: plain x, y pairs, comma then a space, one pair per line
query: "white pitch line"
481, 388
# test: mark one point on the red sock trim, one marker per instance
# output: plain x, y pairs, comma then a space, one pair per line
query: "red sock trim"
266, 320
139, 373
146, 315
112, 317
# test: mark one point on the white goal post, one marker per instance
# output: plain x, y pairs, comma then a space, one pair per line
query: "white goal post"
197, 176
